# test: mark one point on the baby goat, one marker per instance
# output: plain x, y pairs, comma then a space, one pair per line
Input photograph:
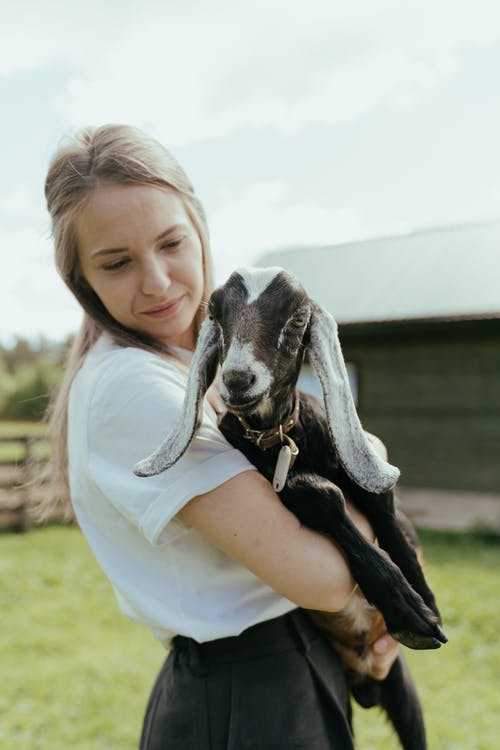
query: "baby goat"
259, 325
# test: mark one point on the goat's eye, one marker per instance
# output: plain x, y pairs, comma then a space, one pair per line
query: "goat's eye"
298, 320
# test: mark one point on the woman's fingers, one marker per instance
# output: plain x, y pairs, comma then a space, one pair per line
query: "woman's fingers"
384, 653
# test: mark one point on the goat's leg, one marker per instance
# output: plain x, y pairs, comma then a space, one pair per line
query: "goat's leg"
400, 701
320, 504
393, 531
398, 697
391, 536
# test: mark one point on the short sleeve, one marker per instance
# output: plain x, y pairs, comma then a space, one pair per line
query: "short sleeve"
136, 400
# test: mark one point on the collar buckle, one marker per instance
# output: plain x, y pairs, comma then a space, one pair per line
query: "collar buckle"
264, 439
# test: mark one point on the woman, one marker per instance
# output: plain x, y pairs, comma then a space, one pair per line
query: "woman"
205, 553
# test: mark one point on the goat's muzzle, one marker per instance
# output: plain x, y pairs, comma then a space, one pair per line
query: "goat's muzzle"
240, 390
238, 381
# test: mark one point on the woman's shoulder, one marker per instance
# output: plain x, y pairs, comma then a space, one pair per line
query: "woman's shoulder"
110, 366
126, 395
126, 387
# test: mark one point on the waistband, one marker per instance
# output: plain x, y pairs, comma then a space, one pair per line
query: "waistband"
289, 631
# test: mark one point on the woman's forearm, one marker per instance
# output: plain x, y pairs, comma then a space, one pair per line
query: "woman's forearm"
245, 519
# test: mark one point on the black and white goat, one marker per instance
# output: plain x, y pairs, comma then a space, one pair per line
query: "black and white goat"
259, 325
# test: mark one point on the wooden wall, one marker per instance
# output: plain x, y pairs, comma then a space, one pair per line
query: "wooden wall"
431, 391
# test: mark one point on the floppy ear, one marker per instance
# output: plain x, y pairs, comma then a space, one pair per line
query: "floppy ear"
201, 374
356, 454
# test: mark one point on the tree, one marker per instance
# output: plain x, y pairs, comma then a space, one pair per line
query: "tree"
29, 372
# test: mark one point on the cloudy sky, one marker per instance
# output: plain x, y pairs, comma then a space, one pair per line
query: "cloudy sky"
298, 122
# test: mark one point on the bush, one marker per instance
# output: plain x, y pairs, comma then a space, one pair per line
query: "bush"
29, 372
27, 393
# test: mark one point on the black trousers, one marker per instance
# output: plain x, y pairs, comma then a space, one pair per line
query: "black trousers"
277, 686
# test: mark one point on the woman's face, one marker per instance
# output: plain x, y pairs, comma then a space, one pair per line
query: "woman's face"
141, 255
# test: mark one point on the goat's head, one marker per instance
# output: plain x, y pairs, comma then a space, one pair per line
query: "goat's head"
259, 324
262, 317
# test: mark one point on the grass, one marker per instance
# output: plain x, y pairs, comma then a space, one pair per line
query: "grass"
76, 673
458, 684
20, 428
11, 452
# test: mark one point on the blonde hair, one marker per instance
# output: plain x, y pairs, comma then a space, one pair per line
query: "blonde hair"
115, 154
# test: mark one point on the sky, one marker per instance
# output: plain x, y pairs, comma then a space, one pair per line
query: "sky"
297, 122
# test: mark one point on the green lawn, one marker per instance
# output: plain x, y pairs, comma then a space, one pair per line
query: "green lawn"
76, 674
20, 428
14, 451
459, 683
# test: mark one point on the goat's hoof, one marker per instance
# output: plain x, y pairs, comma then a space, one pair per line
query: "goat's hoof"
419, 641
441, 634
367, 693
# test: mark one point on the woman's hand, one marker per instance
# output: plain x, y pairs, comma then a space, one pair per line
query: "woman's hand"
383, 653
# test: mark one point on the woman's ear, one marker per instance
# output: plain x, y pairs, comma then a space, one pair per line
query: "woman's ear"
357, 455
201, 373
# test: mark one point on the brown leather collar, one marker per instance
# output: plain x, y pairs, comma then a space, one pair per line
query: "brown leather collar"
267, 438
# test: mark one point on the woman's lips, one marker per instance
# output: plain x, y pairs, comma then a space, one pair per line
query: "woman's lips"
163, 311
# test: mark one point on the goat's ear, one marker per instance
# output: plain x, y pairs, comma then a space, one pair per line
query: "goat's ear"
201, 374
356, 454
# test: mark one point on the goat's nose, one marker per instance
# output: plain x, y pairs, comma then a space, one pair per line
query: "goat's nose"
238, 380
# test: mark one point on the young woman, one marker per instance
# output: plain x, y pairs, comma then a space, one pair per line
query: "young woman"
205, 553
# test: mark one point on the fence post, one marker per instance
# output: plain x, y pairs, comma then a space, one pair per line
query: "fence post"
26, 464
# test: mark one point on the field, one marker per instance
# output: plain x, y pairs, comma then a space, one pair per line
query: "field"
12, 451
20, 428
76, 673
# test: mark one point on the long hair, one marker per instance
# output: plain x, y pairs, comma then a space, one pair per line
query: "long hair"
116, 154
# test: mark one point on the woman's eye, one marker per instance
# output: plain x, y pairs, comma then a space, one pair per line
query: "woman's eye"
172, 245
116, 265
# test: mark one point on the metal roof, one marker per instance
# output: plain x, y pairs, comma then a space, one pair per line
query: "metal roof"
452, 272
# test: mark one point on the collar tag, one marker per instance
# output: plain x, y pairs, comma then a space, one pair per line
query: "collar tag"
286, 457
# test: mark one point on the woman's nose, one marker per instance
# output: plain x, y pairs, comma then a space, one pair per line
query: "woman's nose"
156, 279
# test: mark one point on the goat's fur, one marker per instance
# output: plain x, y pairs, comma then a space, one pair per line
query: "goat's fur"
259, 325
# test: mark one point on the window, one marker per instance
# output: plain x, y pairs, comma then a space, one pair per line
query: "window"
308, 381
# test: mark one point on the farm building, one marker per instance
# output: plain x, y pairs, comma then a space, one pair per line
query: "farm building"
419, 323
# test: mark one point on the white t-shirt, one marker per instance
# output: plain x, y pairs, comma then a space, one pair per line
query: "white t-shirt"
167, 576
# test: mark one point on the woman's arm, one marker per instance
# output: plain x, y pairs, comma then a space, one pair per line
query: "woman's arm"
246, 519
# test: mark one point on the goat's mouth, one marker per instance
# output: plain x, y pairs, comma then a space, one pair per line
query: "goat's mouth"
240, 406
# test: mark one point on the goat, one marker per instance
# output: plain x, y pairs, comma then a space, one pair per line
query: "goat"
259, 325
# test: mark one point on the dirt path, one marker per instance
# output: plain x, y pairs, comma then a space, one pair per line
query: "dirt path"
448, 510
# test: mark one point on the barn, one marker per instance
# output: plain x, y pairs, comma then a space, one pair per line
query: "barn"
419, 323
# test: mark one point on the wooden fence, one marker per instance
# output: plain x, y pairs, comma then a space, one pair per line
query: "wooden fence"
16, 494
